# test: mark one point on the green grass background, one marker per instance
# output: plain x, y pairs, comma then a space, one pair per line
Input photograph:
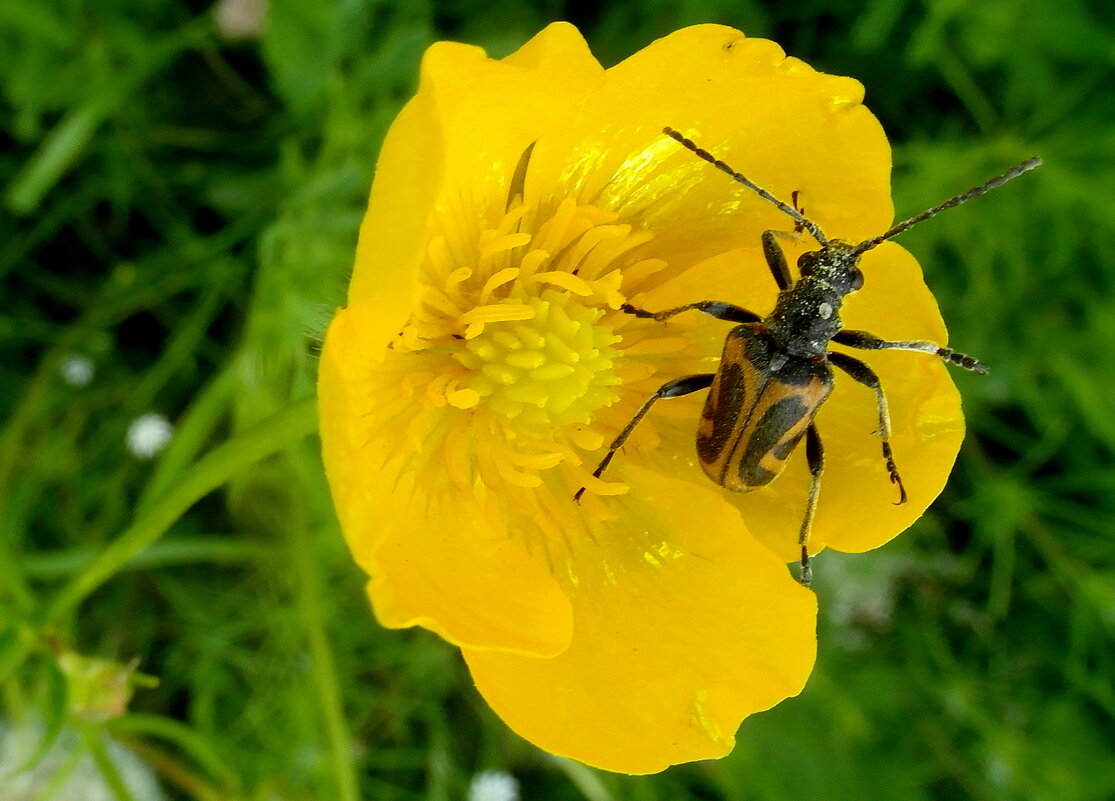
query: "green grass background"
182, 210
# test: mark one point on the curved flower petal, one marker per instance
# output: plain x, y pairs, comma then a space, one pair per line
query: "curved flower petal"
784, 125
685, 625
485, 360
453, 567
464, 131
456, 143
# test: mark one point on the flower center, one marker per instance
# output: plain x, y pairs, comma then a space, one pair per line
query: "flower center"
519, 325
556, 367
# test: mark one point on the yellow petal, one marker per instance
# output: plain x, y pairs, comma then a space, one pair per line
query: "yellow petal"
456, 571
457, 142
436, 558
685, 625
396, 228
559, 53
775, 119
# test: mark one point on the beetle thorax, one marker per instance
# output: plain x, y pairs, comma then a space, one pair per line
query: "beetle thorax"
807, 314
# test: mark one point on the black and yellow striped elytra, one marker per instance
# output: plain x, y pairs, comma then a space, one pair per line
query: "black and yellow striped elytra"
776, 371
759, 406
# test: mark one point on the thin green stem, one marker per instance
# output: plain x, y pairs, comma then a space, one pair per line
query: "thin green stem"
585, 779
187, 748
324, 668
217, 548
94, 741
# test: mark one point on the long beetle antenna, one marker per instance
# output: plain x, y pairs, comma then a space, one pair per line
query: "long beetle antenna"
982, 189
798, 217
867, 244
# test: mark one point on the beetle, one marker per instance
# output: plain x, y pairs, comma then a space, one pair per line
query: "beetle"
776, 371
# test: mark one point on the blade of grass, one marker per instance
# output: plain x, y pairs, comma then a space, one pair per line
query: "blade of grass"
323, 664
194, 428
219, 549
324, 675
94, 741
63, 147
211, 471
585, 779
185, 740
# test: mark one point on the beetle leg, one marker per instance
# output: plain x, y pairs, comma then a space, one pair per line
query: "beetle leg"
866, 376
671, 389
867, 341
815, 456
776, 259
713, 308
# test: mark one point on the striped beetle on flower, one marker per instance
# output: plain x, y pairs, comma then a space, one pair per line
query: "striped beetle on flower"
775, 372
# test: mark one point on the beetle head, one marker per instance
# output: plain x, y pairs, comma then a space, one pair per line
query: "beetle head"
836, 265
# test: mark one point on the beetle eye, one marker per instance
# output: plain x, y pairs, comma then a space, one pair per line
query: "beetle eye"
806, 262
857, 280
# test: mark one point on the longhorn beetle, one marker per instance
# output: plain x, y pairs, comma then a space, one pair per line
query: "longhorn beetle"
775, 371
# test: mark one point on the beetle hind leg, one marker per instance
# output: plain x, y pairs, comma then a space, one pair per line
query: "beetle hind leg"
815, 456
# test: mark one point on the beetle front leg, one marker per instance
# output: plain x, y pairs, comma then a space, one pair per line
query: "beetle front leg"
713, 308
671, 389
776, 259
868, 341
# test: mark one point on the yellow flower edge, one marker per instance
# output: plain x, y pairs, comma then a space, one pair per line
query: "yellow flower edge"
482, 365
671, 652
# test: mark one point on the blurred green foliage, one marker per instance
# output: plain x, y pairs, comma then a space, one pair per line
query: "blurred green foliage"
181, 209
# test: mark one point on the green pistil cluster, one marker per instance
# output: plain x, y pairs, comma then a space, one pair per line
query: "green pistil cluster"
556, 368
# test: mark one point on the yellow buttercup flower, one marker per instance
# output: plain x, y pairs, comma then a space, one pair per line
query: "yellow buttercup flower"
482, 366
